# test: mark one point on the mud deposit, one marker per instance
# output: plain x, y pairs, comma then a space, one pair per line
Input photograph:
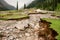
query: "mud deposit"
32, 28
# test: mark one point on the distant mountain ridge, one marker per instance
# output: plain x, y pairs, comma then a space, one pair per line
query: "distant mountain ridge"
5, 6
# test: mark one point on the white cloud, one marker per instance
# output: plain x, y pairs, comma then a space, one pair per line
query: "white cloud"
20, 2
12, 2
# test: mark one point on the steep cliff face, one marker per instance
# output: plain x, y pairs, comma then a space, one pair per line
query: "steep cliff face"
5, 6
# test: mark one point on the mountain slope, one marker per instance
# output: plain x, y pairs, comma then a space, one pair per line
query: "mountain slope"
5, 6
44, 4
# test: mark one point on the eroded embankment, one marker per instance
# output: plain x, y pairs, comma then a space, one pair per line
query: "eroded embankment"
32, 28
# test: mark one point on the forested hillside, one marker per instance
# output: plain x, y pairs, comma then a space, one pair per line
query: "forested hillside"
3, 8
45, 4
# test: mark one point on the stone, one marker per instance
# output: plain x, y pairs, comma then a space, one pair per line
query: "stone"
4, 38
17, 39
30, 38
10, 38
36, 26
27, 34
20, 35
21, 24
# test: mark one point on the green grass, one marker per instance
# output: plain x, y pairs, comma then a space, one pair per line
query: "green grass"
55, 25
12, 14
57, 13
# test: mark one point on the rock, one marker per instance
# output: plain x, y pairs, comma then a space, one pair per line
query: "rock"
16, 30
27, 34
4, 38
30, 38
17, 39
20, 35
36, 26
38, 10
21, 24
6, 31
10, 38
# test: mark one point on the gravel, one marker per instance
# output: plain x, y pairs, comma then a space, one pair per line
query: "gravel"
20, 30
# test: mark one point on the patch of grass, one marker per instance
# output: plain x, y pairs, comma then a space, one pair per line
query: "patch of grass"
55, 25
12, 14
57, 13
14, 17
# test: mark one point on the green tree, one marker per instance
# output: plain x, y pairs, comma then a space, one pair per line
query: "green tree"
44, 4
17, 6
24, 6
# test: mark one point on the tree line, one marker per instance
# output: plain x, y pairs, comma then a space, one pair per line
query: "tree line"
44, 4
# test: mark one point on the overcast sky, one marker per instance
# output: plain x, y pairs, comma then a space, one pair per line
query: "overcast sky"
20, 2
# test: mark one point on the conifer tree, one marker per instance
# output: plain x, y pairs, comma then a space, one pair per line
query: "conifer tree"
17, 6
24, 6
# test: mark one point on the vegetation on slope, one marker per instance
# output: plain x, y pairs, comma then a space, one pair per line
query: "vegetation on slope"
44, 4
55, 25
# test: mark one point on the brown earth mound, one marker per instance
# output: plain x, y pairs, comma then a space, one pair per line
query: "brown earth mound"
46, 33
